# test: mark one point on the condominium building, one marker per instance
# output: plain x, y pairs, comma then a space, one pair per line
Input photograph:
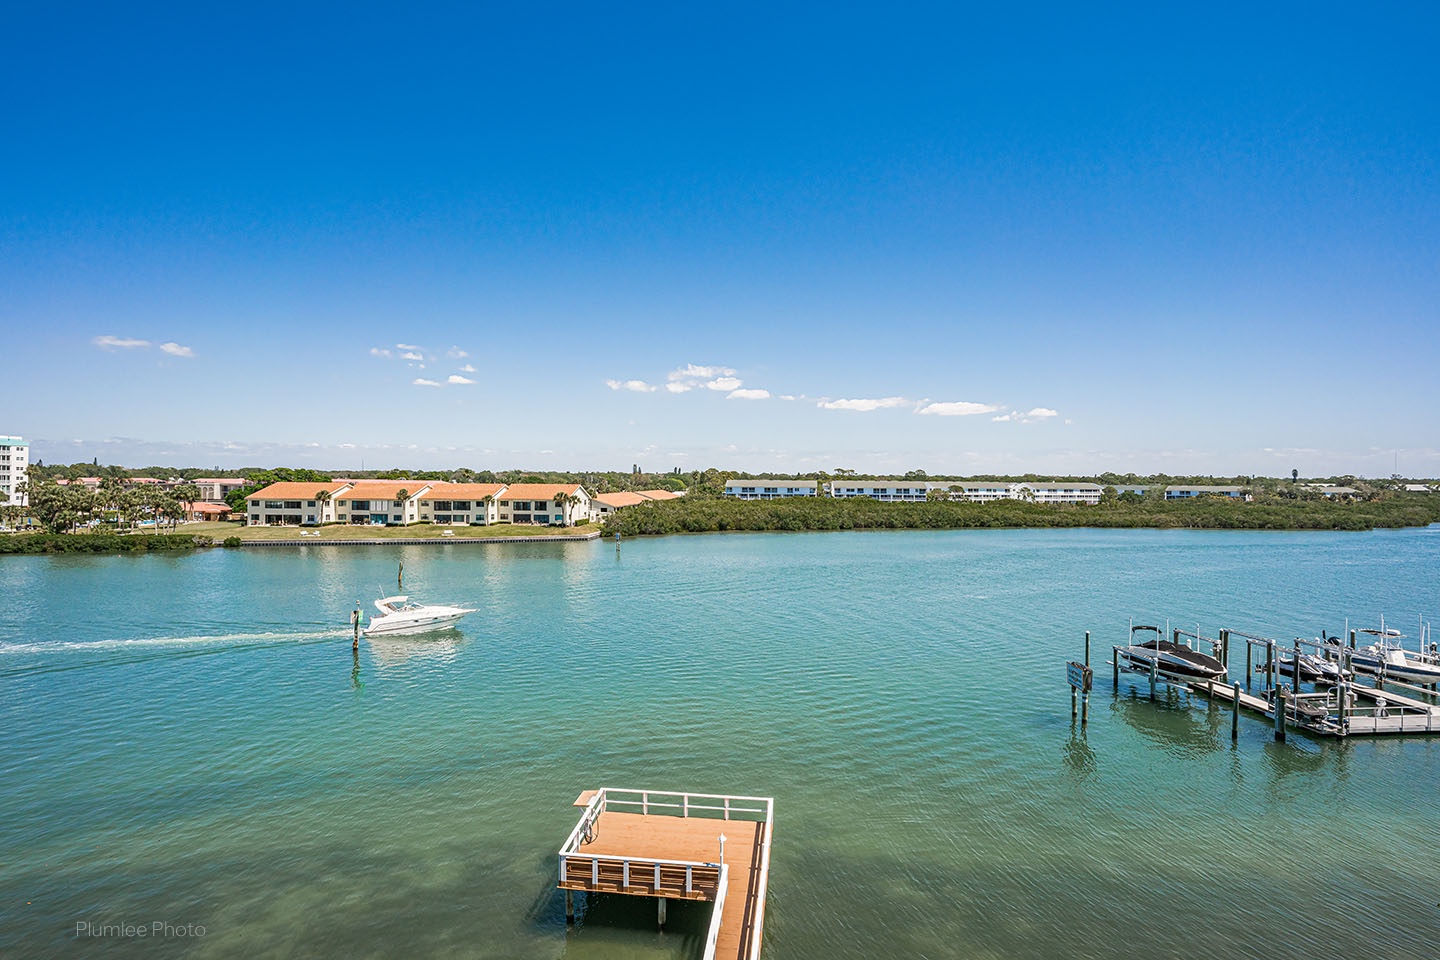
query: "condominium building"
889, 491
547, 503
216, 489
1067, 492
770, 489
14, 470
1186, 492
293, 503
461, 503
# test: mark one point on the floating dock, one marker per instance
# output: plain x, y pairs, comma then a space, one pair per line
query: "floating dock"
676, 846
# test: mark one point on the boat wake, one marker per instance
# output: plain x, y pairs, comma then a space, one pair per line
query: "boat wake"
44, 656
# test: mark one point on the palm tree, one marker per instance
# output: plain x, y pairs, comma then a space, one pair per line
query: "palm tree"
562, 500
485, 507
322, 497
401, 496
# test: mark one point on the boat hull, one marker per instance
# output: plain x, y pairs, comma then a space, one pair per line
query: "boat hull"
1139, 659
379, 628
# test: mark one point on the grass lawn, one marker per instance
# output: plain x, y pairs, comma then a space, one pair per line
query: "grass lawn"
341, 531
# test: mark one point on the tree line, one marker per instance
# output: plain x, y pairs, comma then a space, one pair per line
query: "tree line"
706, 514
64, 508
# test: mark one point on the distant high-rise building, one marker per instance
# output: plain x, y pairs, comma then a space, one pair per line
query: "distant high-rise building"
14, 469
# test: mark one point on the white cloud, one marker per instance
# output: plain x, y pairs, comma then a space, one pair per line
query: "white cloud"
675, 387
692, 372
634, 386
108, 342
724, 384
957, 408
176, 350
1033, 415
456, 378
863, 405
468, 368
422, 382
379, 352
455, 353
748, 395
412, 355
408, 346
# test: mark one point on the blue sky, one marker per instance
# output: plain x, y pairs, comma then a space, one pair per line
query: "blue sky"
762, 237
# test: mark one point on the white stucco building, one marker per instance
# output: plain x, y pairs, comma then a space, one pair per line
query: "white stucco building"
770, 489
14, 470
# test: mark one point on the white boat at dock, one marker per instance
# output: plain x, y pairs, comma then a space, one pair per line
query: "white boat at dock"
1386, 657
398, 615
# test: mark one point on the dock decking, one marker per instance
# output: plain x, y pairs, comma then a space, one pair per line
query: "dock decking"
667, 845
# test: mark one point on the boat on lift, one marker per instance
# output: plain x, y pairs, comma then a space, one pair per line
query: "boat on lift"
1387, 658
1167, 657
399, 615
1313, 668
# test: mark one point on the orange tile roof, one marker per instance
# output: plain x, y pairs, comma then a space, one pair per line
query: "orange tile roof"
295, 490
383, 489
538, 491
624, 498
463, 491
203, 507
659, 494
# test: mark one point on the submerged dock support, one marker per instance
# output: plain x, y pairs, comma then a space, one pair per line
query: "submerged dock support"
660, 911
1235, 714
1115, 662
1279, 702
570, 906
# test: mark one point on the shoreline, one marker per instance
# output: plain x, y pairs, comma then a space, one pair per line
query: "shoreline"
414, 541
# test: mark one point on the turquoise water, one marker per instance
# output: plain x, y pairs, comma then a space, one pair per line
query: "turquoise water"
189, 741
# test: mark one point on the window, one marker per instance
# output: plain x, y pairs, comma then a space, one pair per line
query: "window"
442, 518
310, 503
292, 504
443, 505
359, 505
274, 505
459, 505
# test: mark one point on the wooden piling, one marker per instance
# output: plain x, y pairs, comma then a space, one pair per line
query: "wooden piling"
1115, 662
1235, 714
1249, 665
1154, 671
1279, 702
355, 623
1225, 647
1074, 708
570, 906
660, 911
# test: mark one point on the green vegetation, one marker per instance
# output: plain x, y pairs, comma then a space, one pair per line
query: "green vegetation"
704, 514
98, 543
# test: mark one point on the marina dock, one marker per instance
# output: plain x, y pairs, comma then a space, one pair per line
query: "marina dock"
676, 846
1339, 706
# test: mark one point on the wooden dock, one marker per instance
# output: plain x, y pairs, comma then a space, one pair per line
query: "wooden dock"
653, 843
1370, 710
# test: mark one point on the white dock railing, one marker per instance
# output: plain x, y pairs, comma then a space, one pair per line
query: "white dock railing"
712, 936
646, 872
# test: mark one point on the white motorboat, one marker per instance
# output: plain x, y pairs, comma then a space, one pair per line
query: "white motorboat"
399, 615
1313, 667
1168, 658
1387, 658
